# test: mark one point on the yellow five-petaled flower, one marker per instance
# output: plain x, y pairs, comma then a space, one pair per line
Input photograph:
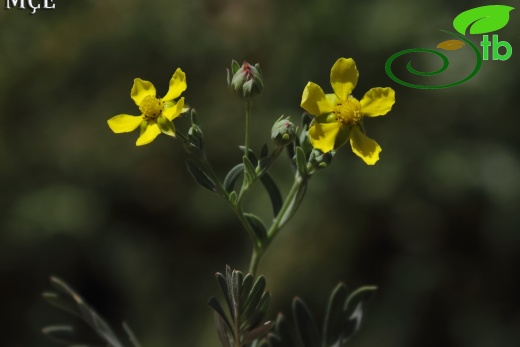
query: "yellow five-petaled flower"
339, 116
157, 114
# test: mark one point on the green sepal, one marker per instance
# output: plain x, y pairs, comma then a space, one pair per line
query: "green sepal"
232, 177
166, 126
258, 227
274, 193
301, 162
234, 66
200, 176
306, 328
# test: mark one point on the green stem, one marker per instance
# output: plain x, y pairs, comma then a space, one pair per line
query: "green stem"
248, 116
277, 226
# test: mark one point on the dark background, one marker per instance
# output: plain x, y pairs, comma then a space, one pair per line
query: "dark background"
434, 223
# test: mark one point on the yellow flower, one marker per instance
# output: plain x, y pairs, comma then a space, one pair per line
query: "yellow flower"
156, 113
339, 116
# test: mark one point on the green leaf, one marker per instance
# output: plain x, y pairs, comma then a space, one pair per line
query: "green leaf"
194, 117
256, 333
200, 176
483, 19
251, 155
332, 333
89, 316
249, 171
232, 177
71, 335
295, 203
283, 336
306, 327
274, 193
353, 310
224, 334
264, 152
258, 226
60, 302
214, 304
301, 162
131, 336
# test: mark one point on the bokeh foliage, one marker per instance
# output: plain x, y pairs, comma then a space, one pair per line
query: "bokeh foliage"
434, 224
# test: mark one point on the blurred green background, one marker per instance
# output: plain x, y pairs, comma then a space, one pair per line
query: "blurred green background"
434, 224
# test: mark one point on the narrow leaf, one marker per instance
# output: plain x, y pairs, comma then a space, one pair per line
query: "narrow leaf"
200, 176
306, 327
353, 310
71, 335
256, 333
131, 336
249, 170
274, 193
222, 282
333, 318
301, 162
264, 152
251, 155
258, 226
214, 304
232, 177
295, 203
224, 334
65, 304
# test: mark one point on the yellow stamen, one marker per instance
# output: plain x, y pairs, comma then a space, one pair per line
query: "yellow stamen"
348, 112
151, 107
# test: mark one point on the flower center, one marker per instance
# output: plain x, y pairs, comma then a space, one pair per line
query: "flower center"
151, 107
348, 112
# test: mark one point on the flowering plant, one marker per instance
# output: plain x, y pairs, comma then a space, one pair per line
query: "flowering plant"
241, 321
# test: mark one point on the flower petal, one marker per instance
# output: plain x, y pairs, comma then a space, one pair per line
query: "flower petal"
343, 77
150, 133
177, 85
124, 123
314, 100
364, 147
141, 89
323, 135
173, 111
377, 102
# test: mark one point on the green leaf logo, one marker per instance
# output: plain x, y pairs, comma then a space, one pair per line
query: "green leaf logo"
482, 20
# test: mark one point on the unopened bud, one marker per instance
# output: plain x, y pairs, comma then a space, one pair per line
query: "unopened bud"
283, 131
320, 160
245, 80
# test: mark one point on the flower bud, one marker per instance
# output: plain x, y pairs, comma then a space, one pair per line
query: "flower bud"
245, 80
320, 160
283, 131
